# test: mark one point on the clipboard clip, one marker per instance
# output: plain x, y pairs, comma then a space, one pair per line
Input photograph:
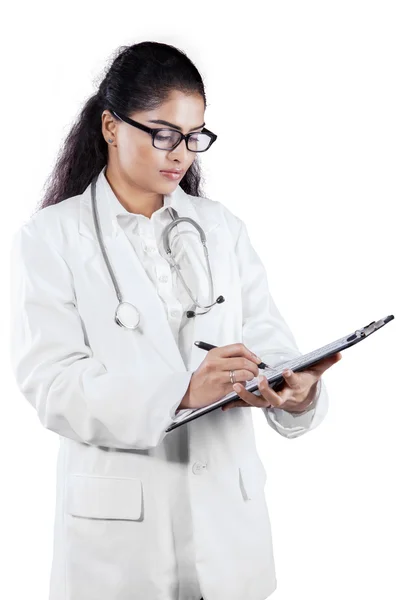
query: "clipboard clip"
370, 328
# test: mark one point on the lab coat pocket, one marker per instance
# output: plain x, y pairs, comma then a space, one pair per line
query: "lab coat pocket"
252, 479
99, 497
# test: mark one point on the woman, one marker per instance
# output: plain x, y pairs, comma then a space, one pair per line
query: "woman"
142, 513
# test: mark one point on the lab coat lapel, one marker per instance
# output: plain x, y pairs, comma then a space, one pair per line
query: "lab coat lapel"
132, 278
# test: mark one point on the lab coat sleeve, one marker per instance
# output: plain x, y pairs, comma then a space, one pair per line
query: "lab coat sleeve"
267, 334
73, 393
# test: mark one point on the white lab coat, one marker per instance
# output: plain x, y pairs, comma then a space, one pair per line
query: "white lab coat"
110, 394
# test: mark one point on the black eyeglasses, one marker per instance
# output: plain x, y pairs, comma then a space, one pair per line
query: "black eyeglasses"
168, 139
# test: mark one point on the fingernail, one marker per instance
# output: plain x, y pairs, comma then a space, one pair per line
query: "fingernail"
236, 387
260, 378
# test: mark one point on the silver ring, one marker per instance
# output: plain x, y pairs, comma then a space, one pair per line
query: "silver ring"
232, 376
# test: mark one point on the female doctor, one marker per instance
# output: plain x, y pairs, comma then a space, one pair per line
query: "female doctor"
109, 293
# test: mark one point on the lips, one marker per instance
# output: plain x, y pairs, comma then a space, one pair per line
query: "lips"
177, 171
171, 175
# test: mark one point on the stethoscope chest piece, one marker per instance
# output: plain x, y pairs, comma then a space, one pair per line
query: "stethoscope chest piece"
127, 315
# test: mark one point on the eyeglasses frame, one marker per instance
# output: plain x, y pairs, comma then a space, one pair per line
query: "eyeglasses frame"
153, 132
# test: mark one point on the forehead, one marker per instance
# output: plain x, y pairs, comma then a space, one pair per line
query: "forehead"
184, 112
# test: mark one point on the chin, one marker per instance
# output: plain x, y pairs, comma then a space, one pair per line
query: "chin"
171, 183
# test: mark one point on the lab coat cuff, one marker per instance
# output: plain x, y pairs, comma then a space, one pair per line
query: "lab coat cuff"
174, 412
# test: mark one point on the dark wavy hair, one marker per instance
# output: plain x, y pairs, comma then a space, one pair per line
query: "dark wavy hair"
140, 77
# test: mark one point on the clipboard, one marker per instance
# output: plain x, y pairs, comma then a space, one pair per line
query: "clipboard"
274, 375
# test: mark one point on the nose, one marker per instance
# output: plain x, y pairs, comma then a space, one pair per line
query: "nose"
180, 150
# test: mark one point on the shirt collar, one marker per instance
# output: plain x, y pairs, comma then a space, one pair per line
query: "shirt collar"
170, 200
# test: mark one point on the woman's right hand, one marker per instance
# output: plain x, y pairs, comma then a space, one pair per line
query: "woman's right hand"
211, 380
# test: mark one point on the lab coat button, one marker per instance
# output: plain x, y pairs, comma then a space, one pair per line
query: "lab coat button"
198, 468
163, 278
175, 313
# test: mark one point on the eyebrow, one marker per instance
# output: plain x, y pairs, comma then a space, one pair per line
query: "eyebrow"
161, 122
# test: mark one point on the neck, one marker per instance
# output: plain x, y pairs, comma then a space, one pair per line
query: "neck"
133, 199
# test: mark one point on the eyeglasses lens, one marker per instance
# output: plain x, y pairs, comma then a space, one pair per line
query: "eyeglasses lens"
166, 139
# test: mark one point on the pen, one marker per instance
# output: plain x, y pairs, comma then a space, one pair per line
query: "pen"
205, 346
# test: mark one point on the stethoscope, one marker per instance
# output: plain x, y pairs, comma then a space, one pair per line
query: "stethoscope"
126, 314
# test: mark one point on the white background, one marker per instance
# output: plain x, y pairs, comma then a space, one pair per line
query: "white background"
304, 97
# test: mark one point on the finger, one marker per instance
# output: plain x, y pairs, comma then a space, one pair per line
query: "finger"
234, 350
267, 395
326, 363
238, 364
242, 403
292, 379
248, 397
334, 358
240, 376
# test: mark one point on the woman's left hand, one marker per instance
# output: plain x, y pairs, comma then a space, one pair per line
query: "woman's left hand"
298, 391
